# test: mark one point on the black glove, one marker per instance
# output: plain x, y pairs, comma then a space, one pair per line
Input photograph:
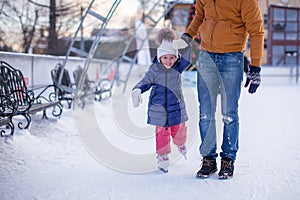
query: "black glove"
253, 77
187, 38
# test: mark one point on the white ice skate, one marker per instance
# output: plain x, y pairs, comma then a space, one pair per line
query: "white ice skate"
163, 162
182, 150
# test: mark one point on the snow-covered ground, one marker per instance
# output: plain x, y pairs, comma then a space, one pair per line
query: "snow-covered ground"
66, 159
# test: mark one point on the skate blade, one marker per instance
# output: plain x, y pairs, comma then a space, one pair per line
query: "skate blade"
163, 170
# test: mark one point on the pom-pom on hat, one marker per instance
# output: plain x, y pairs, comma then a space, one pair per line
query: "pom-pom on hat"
165, 39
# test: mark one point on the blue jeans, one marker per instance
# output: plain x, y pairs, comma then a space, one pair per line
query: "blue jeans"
219, 73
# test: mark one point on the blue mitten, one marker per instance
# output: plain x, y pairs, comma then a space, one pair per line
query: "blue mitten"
253, 78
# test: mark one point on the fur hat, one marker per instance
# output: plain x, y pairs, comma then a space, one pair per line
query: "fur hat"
165, 39
165, 48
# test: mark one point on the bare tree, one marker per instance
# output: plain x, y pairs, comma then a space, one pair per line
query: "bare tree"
29, 17
62, 19
28, 29
4, 44
52, 39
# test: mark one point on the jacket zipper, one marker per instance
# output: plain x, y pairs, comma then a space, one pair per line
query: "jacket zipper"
166, 100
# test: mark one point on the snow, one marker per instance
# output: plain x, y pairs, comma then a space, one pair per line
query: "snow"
106, 151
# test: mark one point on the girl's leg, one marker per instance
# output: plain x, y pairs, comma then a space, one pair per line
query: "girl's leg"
163, 140
178, 133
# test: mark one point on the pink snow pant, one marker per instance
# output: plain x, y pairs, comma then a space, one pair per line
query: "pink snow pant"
163, 134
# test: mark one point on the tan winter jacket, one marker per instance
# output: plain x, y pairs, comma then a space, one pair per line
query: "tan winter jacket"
224, 26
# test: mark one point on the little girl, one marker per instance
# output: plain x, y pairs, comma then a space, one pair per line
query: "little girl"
166, 108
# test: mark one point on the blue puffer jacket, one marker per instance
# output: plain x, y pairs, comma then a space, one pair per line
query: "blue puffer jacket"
166, 103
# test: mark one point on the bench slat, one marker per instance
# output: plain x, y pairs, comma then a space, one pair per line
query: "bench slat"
41, 107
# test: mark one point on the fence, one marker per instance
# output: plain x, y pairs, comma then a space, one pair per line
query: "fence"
36, 68
282, 74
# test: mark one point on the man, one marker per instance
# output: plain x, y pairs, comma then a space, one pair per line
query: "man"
224, 27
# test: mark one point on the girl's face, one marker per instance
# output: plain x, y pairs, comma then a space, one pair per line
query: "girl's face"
168, 60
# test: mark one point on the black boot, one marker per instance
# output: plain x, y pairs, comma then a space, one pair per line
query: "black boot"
227, 168
209, 166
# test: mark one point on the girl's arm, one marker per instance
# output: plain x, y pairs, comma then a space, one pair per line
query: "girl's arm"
146, 82
185, 57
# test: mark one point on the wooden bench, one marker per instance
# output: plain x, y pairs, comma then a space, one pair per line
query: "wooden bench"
81, 89
65, 90
89, 87
7, 110
105, 89
106, 83
6, 122
28, 102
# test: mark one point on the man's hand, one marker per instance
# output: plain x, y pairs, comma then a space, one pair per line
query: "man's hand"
253, 78
187, 38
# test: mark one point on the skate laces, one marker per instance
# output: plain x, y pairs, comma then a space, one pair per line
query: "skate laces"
182, 150
163, 160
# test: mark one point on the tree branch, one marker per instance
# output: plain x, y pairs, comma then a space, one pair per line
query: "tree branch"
38, 4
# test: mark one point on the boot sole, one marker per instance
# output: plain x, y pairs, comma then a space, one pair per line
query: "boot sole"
204, 176
225, 176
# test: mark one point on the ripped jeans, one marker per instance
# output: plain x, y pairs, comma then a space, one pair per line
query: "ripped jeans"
219, 73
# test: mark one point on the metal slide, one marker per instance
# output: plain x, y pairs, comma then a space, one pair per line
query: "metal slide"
153, 16
159, 10
89, 55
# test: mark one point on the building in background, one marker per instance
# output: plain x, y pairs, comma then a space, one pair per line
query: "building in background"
179, 15
276, 54
283, 43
